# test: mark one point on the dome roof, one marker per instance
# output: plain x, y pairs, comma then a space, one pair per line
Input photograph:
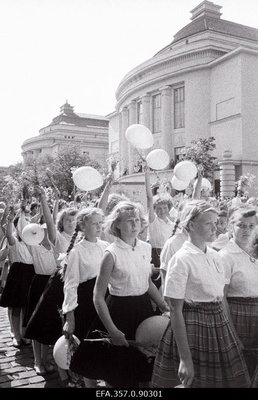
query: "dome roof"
205, 23
206, 17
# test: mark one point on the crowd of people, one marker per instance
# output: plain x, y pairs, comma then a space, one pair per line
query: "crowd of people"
102, 268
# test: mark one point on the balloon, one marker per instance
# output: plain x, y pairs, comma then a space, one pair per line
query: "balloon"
139, 136
33, 234
185, 170
150, 332
178, 184
157, 159
87, 178
206, 184
62, 351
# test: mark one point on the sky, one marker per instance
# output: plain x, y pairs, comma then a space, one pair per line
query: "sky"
80, 50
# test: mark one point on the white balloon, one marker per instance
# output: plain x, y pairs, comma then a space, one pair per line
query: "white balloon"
178, 184
139, 136
87, 178
61, 351
32, 234
150, 331
157, 159
206, 184
185, 170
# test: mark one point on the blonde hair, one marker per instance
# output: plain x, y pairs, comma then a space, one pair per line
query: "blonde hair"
193, 209
117, 213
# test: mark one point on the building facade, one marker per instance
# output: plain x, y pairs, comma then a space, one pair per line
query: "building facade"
89, 132
203, 84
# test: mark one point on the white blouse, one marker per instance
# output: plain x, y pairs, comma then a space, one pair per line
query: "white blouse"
83, 264
43, 259
130, 276
195, 276
159, 231
241, 272
170, 248
19, 252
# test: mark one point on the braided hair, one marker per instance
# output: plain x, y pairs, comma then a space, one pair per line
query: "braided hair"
83, 215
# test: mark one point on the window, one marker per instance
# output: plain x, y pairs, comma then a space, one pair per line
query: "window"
139, 112
179, 108
179, 154
156, 113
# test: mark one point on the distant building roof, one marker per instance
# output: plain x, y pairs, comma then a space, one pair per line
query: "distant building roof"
69, 117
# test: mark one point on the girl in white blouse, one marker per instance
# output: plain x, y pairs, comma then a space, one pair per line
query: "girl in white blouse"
126, 272
80, 272
199, 348
242, 279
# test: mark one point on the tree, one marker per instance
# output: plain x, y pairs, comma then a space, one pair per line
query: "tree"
20, 178
199, 153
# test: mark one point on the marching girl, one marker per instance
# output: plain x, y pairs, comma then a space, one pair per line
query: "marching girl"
19, 278
44, 261
83, 264
126, 272
242, 272
48, 331
199, 348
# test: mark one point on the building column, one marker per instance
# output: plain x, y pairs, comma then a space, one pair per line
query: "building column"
123, 124
132, 154
166, 120
227, 175
146, 110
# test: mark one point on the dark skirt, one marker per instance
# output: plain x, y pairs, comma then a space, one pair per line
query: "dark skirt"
36, 289
47, 330
120, 366
244, 314
217, 358
85, 313
16, 289
155, 259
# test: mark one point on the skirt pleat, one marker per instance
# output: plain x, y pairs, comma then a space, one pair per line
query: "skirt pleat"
244, 313
217, 358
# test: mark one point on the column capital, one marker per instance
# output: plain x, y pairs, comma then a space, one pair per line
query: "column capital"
165, 89
145, 96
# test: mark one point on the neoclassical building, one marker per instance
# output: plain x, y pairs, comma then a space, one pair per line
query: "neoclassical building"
204, 83
69, 128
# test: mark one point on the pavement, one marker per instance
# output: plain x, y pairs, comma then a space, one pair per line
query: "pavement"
17, 364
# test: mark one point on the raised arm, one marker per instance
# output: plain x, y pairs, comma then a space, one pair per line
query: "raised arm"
48, 218
149, 193
9, 227
103, 201
198, 184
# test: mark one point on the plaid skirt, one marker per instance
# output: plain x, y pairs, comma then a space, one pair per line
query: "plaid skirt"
217, 358
244, 313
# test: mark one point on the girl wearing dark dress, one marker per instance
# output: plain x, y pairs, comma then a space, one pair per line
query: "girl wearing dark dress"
19, 278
